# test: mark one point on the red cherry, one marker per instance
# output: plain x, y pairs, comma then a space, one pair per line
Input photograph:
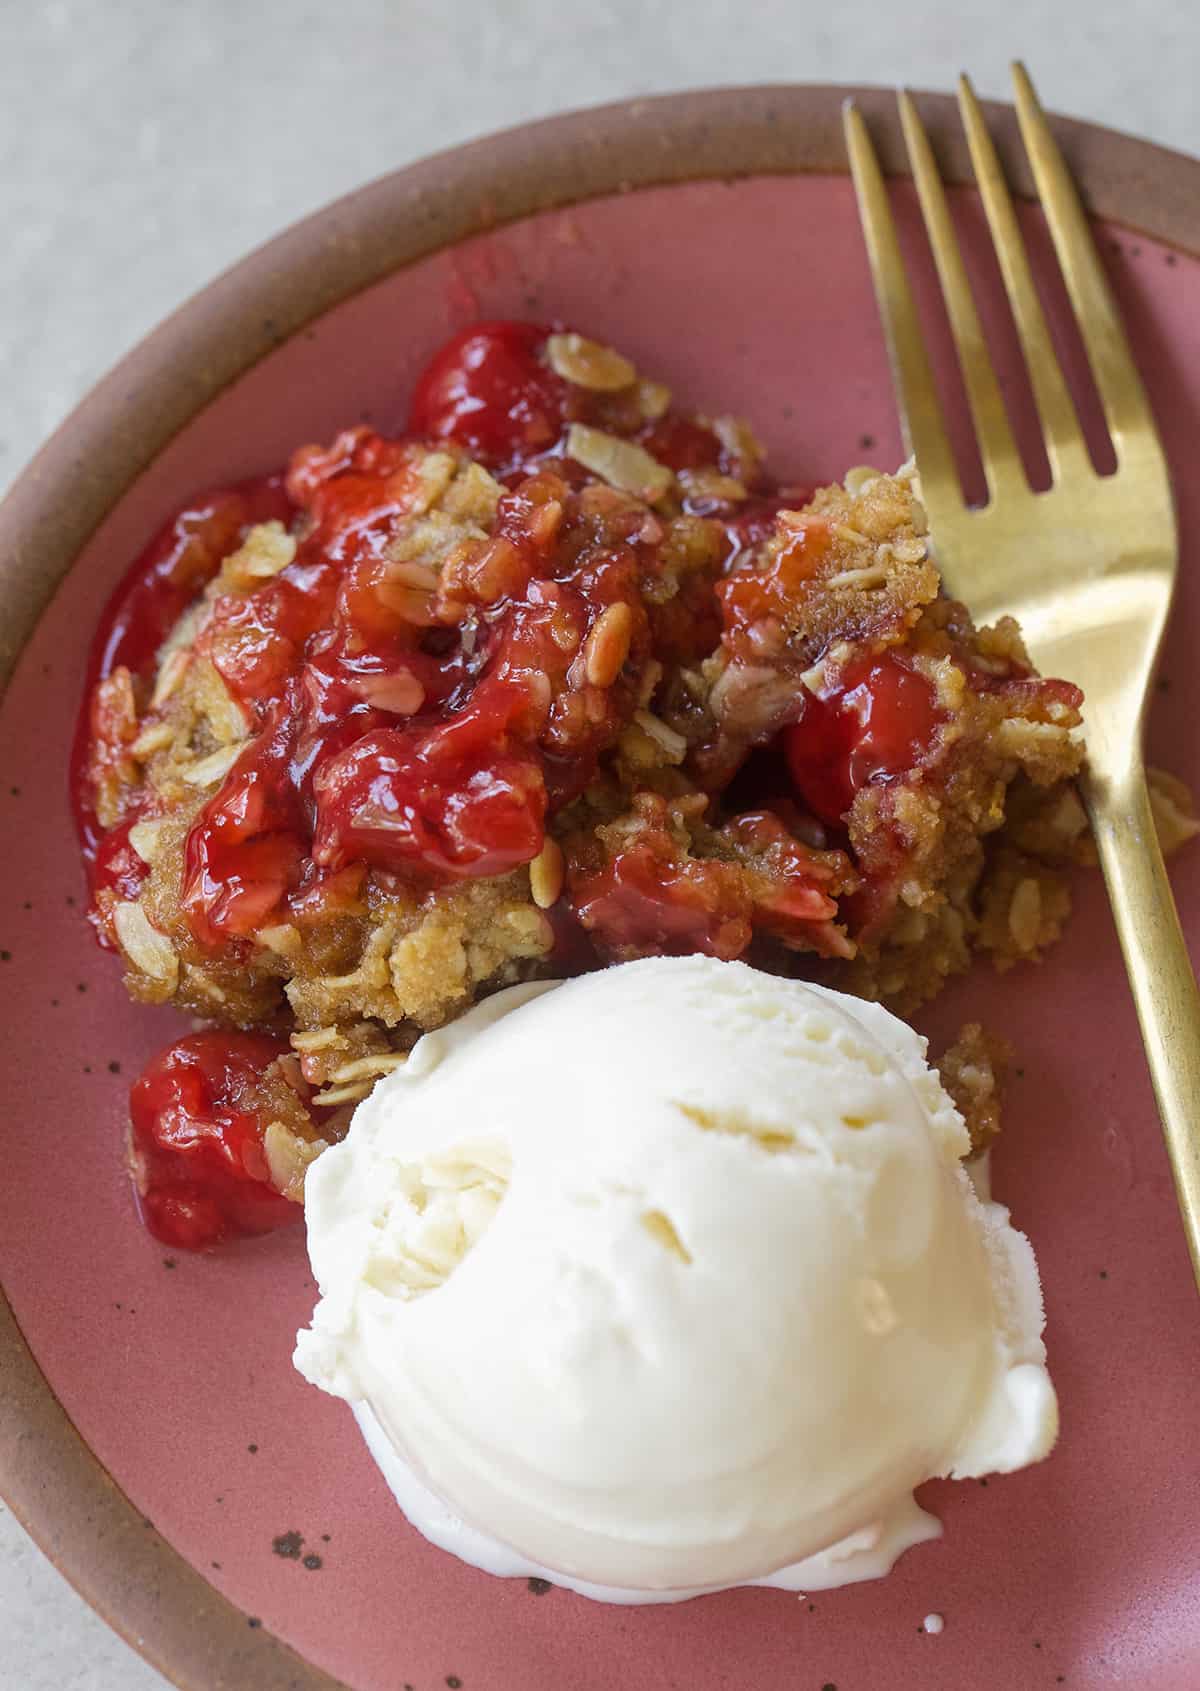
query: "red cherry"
197, 1141
681, 444
878, 723
163, 581
405, 799
113, 867
244, 852
116, 867
643, 904
491, 392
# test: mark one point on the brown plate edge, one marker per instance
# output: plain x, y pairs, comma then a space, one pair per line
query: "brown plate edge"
50, 1478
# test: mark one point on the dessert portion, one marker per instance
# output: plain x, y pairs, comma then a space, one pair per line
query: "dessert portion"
670, 1278
557, 677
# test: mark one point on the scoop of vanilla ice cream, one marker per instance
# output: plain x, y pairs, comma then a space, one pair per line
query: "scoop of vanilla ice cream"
670, 1277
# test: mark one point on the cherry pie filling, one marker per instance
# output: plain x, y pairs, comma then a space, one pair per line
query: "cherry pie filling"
432, 725
196, 1140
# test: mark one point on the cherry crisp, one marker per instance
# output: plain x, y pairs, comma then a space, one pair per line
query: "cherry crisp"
555, 677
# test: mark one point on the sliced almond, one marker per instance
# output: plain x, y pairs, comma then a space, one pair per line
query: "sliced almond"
620, 463
144, 838
814, 678
214, 767
707, 483
196, 981
673, 744
288, 1159
654, 400
151, 740
114, 704
150, 951
352, 1094
224, 715
401, 692
588, 364
411, 603
171, 672
368, 1068
435, 472
283, 938
267, 549
315, 1039
739, 441
859, 478
414, 574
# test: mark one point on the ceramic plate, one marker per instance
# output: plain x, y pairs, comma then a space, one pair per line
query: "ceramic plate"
154, 1435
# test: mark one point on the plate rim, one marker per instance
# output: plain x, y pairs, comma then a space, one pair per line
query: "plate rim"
55, 1486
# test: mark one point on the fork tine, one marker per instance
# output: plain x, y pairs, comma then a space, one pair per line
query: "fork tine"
1060, 425
1117, 380
920, 412
997, 449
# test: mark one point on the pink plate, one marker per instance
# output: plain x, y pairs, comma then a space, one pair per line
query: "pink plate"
751, 296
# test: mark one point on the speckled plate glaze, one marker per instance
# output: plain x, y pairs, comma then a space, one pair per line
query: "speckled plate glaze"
153, 1434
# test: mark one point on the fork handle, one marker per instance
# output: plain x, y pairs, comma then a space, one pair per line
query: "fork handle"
1160, 972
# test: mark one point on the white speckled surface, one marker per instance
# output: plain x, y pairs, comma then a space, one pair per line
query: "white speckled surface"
144, 147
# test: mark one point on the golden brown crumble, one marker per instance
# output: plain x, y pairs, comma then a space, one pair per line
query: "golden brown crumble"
693, 667
972, 1071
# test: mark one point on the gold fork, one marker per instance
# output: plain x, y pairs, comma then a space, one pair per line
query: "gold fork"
1087, 568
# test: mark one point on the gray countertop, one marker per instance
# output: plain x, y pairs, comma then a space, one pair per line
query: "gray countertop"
143, 147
